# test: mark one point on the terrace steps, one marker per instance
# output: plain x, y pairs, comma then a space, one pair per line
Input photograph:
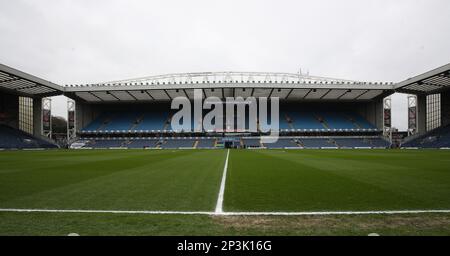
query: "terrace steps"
137, 122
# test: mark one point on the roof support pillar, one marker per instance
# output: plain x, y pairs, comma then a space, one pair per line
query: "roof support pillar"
37, 117
421, 114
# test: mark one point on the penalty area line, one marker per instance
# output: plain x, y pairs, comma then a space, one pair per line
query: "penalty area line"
318, 213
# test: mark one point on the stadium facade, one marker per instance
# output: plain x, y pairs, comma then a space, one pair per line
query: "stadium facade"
314, 112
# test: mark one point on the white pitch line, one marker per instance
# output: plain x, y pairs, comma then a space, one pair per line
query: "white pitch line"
332, 213
318, 213
106, 211
219, 205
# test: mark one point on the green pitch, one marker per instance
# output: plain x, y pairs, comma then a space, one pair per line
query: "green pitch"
189, 180
347, 180
111, 180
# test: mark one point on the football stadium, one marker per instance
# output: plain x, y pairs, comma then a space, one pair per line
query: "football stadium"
336, 168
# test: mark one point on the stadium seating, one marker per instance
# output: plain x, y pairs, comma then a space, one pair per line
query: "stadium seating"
12, 138
352, 142
359, 121
267, 126
326, 120
143, 143
206, 143
105, 143
152, 121
252, 143
178, 143
306, 119
282, 143
140, 143
379, 142
121, 121
438, 138
128, 121
97, 123
335, 120
248, 142
316, 142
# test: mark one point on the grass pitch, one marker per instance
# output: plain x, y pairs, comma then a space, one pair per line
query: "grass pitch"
337, 180
111, 180
257, 180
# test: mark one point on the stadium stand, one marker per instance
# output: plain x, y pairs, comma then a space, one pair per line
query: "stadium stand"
11, 138
303, 124
324, 120
110, 143
251, 142
143, 143
352, 142
283, 143
96, 124
121, 121
336, 121
316, 142
359, 121
140, 143
304, 120
206, 143
247, 142
379, 142
178, 143
128, 121
307, 119
289, 121
342, 114
438, 138
152, 121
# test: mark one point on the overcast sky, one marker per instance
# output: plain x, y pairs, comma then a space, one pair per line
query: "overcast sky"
69, 42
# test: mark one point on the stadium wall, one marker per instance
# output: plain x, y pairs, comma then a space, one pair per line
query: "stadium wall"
445, 108
372, 111
86, 113
9, 110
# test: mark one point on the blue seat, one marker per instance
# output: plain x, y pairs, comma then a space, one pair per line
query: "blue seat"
143, 143
13, 138
121, 121
205, 143
438, 138
305, 120
281, 143
178, 143
315, 142
252, 143
361, 121
352, 142
336, 120
152, 121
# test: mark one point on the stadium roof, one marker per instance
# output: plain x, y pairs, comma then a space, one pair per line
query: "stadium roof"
230, 84
430, 82
287, 86
21, 83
